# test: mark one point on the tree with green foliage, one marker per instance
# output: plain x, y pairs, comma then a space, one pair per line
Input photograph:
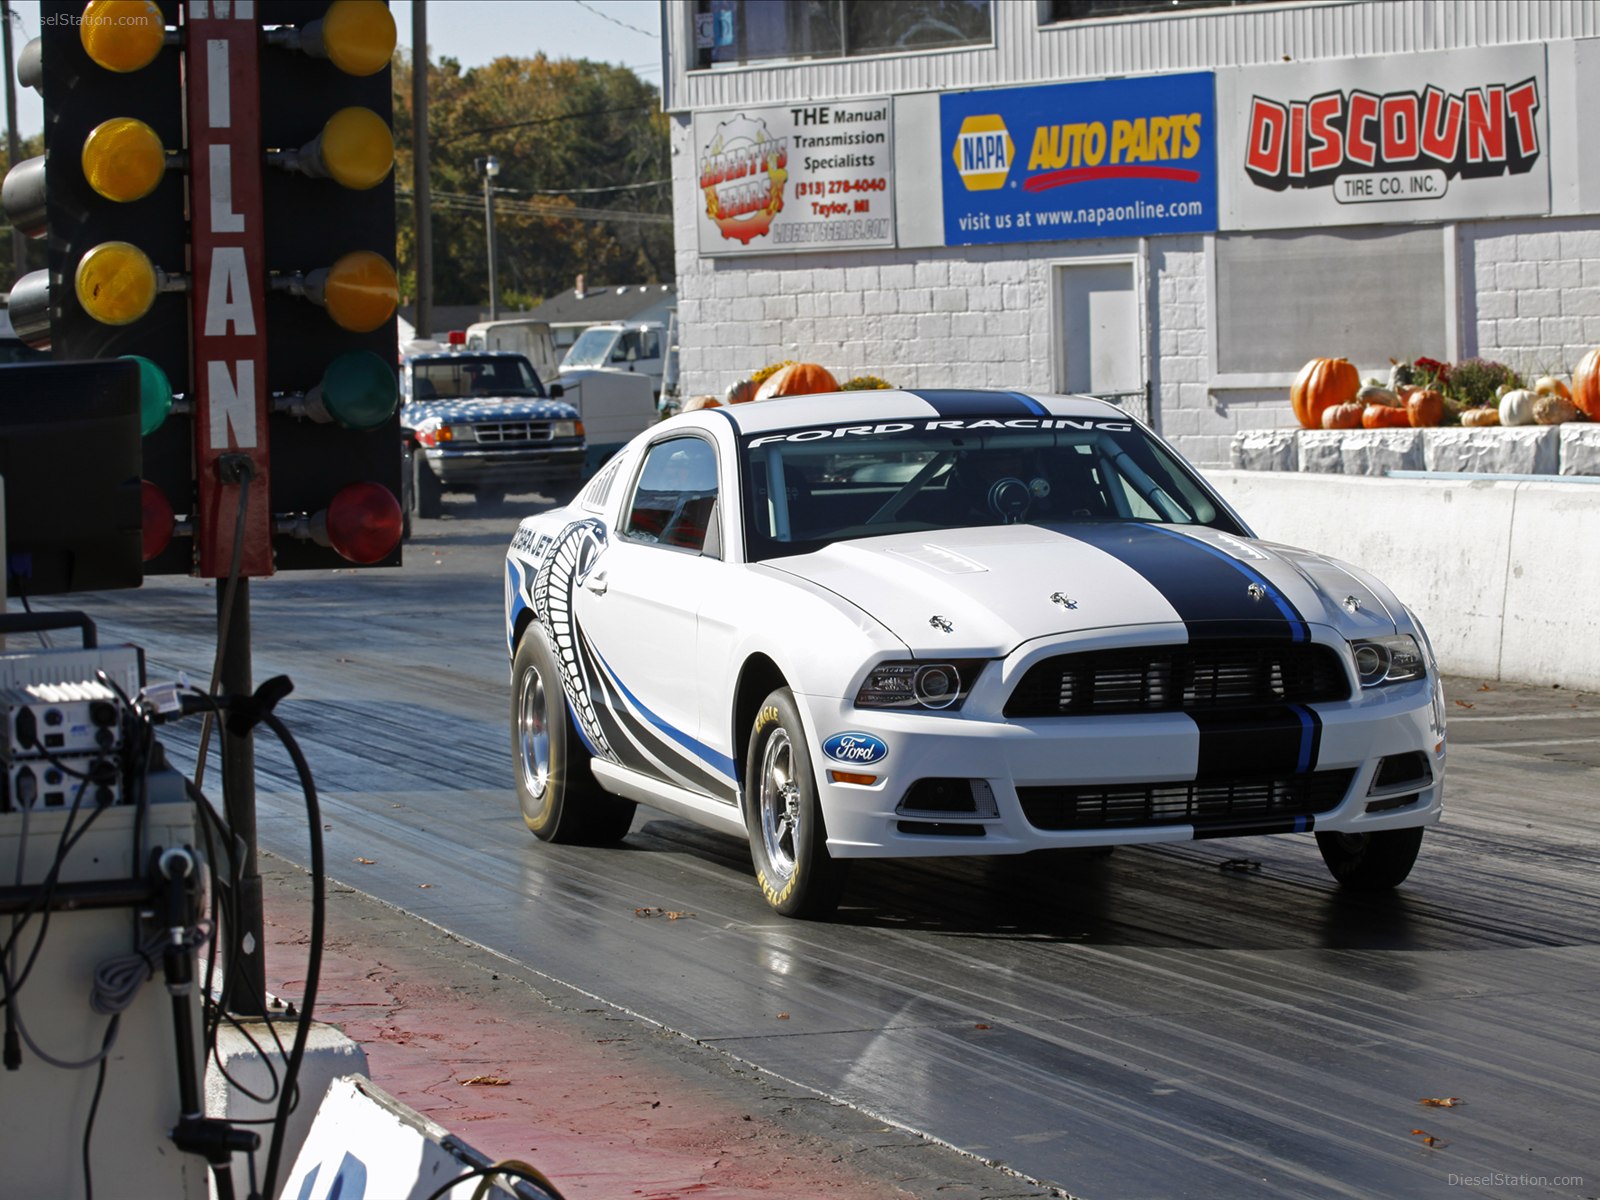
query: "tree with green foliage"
576, 141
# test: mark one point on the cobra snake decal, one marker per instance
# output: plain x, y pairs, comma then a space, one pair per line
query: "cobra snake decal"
561, 571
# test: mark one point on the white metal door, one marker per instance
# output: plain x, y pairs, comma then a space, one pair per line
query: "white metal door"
1101, 332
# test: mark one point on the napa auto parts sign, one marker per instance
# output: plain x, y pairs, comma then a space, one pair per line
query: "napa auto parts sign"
799, 177
1420, 137
1116, 157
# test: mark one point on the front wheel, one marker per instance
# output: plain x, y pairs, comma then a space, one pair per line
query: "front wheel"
1371, 862
788, 841
560, 799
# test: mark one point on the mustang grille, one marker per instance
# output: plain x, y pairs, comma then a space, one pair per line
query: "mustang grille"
504, 432
1196, 676
1201, 803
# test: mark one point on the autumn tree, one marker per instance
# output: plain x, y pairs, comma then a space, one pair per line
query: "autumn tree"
583, 186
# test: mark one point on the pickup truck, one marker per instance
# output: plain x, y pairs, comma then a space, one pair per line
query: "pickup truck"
482, 422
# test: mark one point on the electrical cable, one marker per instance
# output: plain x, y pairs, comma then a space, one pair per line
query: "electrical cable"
509, 1166
314, 953
94, 1109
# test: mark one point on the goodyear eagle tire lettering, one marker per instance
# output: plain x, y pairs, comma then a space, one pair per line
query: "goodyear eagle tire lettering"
782, 813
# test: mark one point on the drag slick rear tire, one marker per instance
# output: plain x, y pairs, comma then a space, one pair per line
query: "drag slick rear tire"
560, 799
1371, 862
788, 841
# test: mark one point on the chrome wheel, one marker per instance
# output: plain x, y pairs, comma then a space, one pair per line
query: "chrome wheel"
780, 802
533, 735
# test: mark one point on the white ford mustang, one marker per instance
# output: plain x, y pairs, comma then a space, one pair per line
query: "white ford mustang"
902, 624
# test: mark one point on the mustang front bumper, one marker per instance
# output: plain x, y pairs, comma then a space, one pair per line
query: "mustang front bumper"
974, 783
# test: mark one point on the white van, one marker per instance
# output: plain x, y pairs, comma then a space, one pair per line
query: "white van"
635, 346
531, 339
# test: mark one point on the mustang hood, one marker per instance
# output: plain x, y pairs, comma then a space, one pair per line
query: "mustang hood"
1000, 586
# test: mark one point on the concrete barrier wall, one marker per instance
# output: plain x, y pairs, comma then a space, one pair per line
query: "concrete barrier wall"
1503, 574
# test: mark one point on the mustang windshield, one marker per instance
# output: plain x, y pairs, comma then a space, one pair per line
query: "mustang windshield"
806, 488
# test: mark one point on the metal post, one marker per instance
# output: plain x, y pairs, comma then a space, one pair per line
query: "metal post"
421, 188
246, 973
491, 168
19, 243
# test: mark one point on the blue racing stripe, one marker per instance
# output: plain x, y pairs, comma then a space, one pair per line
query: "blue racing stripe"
715, 758
952, 402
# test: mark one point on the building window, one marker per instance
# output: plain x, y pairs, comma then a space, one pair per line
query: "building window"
1089, 10
744, 31
1369, 295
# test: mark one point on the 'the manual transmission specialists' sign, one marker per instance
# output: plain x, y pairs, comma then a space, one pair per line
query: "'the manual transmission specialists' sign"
1419, 137
799, 177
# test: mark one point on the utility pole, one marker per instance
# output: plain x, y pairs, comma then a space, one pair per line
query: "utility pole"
491, 168
421, 156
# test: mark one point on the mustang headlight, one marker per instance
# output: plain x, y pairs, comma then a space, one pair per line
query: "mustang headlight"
934, 685
1388, 660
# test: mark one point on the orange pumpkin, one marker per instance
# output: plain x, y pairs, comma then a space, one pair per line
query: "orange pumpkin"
1343, 416
1424, 409
797, 379
1586, 384
1384, 416
1322, 382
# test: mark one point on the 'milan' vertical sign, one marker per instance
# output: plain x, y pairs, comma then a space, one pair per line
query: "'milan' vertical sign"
229, 287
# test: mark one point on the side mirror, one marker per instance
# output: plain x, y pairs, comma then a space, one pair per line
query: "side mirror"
557, 391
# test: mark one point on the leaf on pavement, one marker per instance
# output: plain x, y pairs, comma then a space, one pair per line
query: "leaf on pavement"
1440, 1102
1464, 704
485, 1081
367, 862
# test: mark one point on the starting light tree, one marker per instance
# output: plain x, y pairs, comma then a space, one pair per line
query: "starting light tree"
218, 199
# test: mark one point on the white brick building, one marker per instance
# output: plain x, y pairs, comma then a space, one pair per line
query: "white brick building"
1495, 251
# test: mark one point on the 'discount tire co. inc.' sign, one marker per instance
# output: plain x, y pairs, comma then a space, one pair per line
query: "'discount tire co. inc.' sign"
1423, 137
1118, 157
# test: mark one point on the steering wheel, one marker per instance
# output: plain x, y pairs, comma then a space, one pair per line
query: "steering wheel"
1010, 499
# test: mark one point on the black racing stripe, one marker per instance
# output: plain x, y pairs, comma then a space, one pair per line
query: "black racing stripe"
1208, 589
953, 402
1282, 740
1211, 591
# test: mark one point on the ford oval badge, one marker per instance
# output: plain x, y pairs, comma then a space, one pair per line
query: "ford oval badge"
855, 747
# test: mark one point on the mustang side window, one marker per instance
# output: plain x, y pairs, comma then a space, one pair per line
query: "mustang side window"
675, 501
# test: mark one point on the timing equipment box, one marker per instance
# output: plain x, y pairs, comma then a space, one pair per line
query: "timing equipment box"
58, 719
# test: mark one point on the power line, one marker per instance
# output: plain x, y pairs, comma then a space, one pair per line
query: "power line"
543, 209
614, 21
596, 112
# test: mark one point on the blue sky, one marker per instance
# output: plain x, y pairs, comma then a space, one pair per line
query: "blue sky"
474, 32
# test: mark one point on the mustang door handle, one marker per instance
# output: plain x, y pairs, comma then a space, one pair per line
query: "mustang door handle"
596, 583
